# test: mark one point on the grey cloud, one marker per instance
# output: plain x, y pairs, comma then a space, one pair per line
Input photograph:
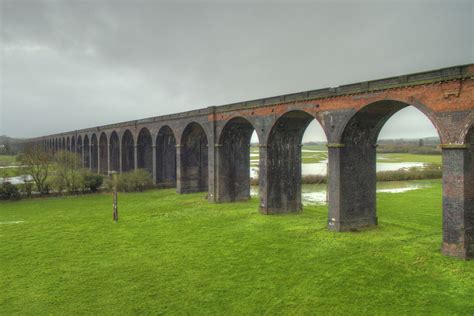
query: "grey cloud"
74, 64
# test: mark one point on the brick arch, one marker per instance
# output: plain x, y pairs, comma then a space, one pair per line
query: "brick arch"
281, 169
352, 163
145, 150
86, 149
103, 153
94, 151
165, 157
68, 144
371, 118
73, 144
252, 120
233, 169
194, 159
468, 128
114, 147
306, 117
127, 142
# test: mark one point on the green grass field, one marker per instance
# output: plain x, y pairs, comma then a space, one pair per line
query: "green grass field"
179, 254
7, 160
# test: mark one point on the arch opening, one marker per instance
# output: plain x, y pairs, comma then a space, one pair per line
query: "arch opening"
166, 158
85, 152
103, 154
114, 152
128, 152
193, 160
353, 180
73, 144
68, 144
94, 153
145, 150
283, 174
79, 150
234, 161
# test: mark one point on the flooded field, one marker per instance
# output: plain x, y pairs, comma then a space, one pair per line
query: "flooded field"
317, 193
320, 168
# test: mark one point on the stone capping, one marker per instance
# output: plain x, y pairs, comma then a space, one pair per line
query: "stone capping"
461, 72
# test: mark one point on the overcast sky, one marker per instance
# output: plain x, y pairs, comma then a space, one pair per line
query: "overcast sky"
68, 65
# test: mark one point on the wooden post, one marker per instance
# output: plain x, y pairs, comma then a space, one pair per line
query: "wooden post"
115, 200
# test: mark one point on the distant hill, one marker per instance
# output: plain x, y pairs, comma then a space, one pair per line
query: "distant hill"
4, 139
8, 145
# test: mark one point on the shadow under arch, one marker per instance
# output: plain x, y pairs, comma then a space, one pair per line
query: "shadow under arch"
73, 144
166, 158
233, 163
79, 150
84, 149
352, 165
145, 150
94, 150
114, 152
103, 154
128, 151
280, 164
193, 160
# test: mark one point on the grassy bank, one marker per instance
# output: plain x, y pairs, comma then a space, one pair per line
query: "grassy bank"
178, 254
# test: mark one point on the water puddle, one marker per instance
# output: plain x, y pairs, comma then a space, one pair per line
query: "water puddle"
17, 180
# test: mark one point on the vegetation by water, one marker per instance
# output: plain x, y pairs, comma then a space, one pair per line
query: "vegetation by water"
178, 254
430, 171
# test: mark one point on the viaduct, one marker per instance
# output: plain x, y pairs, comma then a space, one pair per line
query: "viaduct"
208, 149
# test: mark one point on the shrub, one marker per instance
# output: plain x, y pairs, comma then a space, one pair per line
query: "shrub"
431, 171
9, 191
92, 181
133, 181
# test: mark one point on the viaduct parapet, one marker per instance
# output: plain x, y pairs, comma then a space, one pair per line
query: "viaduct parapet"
208, 149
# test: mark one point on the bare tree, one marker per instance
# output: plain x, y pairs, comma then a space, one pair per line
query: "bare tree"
36, 161
68, 170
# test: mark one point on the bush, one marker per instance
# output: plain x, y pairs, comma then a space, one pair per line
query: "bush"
9, 191
133, 181
92, 181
